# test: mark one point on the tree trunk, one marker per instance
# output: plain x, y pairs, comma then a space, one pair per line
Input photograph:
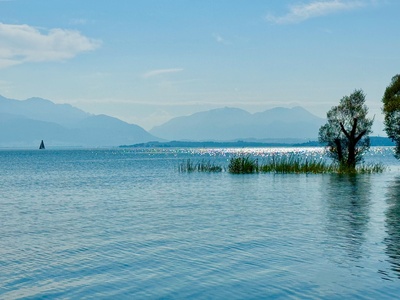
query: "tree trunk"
352, 142
339, 150
351, 159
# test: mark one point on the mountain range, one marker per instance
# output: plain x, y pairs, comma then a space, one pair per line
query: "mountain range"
25, 123
227, 124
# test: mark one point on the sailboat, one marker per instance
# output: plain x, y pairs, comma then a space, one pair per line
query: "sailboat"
42, 145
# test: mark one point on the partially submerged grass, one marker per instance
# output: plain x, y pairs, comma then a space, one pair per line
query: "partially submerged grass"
203, 166
296, 164
243, 165
361, 169
285, 164
293, 164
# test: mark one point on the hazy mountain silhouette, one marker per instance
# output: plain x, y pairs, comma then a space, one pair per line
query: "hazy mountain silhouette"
43, 110
227, 124
26, 123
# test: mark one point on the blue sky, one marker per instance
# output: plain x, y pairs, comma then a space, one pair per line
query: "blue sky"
148, 61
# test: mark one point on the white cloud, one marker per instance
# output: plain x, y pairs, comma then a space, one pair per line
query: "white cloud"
153, 73
24, 43
302, 12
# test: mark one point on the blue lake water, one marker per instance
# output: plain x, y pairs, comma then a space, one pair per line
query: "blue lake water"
123, 224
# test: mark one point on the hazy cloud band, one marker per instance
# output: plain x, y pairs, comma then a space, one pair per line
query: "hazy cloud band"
302, 12
153, 73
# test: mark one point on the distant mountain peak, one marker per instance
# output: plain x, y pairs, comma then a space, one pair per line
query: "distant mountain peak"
39, 100
229, 123
25, 122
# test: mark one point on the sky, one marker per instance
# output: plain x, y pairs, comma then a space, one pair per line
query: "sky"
147, 61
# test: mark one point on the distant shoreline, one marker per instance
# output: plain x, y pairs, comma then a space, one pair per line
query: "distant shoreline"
375, 141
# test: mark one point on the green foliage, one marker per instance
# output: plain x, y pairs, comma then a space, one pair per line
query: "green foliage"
391, 109
295, 164
243, 165
347, 129
203, 166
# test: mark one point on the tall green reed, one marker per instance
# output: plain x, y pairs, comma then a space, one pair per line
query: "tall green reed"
243, 165
189, 166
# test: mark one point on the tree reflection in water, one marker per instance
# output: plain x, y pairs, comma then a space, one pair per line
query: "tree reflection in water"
348, 204
392, 240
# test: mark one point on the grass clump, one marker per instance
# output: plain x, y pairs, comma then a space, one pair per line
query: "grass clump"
295, 164
243, 165
203, 166
285, 164
361, 169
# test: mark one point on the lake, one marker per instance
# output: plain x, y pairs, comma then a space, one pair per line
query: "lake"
126, 224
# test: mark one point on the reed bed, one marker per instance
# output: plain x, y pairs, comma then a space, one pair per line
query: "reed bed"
203, 166
295, 164
362, 169
243, 165
285, 164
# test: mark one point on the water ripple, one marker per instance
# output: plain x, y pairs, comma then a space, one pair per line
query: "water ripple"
125, 224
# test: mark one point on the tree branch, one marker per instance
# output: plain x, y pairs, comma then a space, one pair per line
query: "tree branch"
344, 130
362, 133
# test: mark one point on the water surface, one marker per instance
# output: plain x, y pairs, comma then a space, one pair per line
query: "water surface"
118, 223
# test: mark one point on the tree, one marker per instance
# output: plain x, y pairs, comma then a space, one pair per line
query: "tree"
391, 109
347, 129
